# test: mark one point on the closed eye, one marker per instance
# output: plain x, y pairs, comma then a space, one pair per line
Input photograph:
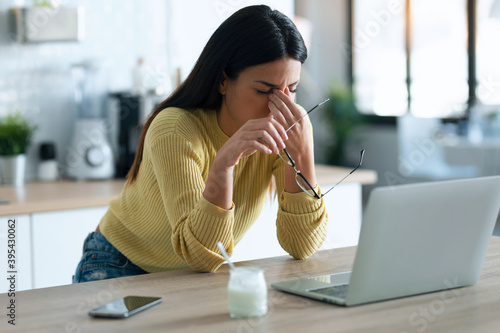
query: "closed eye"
293, 91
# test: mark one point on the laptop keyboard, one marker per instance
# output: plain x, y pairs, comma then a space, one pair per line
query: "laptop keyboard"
339, 291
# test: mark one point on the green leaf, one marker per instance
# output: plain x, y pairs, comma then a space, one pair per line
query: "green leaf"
15, 134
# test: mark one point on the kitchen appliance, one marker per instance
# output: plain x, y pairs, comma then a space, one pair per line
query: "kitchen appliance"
126, 115
89, 155
47, 168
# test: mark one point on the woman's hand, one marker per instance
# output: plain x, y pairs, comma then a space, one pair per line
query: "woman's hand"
266, 135
284, 109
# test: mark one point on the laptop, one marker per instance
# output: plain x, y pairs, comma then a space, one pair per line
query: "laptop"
414, 239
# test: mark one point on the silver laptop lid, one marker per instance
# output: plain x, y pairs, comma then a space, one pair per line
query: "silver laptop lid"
424, 237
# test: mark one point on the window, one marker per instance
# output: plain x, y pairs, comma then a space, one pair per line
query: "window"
379, 72
488, 52
431, 58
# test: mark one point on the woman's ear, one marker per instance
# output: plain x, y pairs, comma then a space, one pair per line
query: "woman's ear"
223, 84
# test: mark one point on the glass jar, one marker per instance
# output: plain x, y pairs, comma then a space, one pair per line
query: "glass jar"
247, 292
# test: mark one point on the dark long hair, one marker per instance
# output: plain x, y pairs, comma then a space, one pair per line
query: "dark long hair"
252, 36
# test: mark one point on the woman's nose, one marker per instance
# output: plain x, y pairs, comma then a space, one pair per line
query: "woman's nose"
287, 92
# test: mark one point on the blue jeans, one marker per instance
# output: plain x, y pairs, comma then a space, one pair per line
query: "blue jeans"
101, 260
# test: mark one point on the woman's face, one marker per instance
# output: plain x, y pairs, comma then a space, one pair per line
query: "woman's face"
246, 97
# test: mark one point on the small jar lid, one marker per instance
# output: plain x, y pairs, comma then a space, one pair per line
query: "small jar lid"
247, 271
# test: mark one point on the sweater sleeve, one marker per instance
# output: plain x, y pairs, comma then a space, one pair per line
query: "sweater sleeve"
197, 225
302, 221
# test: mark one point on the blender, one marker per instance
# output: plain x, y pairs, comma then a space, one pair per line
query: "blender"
89, 156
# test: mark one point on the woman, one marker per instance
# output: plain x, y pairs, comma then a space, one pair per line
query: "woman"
207, 156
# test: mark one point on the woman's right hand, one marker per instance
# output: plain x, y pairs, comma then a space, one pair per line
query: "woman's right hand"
265, 135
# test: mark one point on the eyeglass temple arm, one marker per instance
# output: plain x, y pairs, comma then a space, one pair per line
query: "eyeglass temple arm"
362, 154
295, 123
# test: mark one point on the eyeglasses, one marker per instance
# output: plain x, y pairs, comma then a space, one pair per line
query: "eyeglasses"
303, 183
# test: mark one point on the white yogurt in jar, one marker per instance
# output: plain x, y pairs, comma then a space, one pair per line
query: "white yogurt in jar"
247, 292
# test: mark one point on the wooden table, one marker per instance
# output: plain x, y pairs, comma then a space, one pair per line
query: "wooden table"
197, 302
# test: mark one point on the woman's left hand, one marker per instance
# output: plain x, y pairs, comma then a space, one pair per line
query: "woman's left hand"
298, 145
286, 112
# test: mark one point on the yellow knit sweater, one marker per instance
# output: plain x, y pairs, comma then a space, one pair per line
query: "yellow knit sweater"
162, 221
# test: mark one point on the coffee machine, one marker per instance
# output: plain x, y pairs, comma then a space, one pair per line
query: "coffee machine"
126, 115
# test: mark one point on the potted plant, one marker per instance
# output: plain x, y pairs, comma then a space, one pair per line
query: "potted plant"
15, 138
341, 116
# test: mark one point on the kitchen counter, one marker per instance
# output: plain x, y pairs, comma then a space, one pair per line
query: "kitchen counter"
36, 197
39, 197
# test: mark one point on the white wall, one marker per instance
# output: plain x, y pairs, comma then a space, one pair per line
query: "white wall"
192, 22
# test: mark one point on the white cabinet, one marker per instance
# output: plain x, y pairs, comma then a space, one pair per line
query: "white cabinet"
343, 205
17, 229
57, 243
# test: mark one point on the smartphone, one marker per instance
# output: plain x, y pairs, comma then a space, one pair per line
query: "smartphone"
125, 307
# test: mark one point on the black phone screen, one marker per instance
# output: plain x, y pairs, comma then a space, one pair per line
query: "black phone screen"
125, 307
